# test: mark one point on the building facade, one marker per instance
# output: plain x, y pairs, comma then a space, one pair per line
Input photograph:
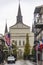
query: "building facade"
37, 27
18, 33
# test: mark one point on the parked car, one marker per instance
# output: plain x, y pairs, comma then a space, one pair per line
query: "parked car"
11, 59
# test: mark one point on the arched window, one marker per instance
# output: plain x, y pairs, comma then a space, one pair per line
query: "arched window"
19, 42
12, 41
15, 42
23, 43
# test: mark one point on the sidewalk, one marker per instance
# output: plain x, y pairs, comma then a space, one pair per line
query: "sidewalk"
34, 63
2, 64
39, 63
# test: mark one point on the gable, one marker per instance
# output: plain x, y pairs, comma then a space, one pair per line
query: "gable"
20, 25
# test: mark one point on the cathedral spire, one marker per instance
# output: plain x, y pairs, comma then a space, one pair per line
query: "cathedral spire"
6, 30
19, 16
19, 11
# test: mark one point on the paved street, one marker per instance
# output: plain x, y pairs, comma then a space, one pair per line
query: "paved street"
21, 62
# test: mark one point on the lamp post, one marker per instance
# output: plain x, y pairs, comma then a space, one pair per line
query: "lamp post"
37, 52
37, 57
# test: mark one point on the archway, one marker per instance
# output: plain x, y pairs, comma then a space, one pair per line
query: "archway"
20, 54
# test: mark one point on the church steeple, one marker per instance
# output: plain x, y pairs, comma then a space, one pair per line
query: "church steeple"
6, 30
19, 16
19, 11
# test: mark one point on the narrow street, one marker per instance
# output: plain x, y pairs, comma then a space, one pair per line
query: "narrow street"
21, 62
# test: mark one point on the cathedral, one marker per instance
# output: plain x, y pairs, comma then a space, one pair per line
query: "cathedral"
18, 33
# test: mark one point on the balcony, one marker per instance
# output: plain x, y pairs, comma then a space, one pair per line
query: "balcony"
39, 23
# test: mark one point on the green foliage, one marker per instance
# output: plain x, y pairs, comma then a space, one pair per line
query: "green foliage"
5, 49
14, 47
27, 46
33, 51
3, 43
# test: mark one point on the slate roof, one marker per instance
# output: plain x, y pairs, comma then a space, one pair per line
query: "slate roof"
37, 10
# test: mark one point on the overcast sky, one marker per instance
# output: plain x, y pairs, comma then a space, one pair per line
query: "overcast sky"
9, 10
